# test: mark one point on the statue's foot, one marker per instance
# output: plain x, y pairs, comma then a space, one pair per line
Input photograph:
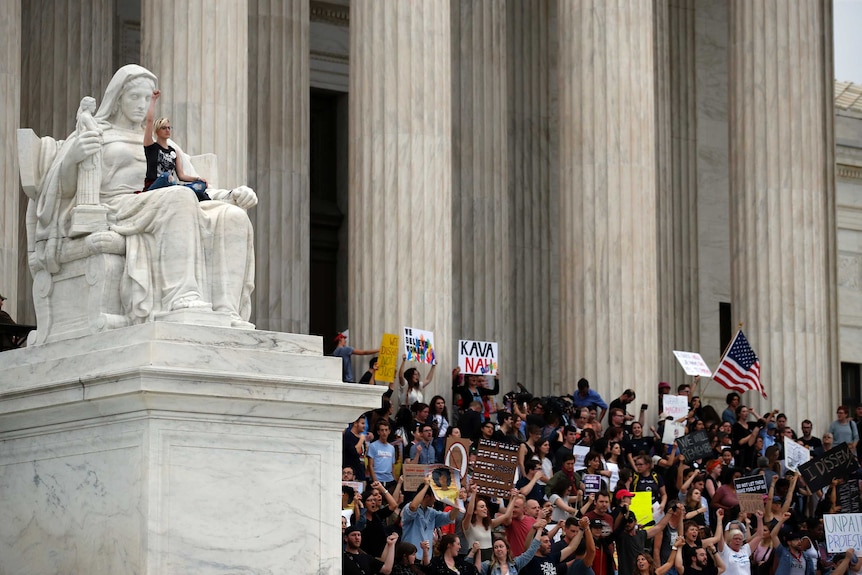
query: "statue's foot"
191, 302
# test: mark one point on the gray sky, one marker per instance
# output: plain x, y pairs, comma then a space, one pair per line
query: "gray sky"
848, 40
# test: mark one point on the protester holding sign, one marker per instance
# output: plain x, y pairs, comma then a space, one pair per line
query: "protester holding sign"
412, 379
471, 389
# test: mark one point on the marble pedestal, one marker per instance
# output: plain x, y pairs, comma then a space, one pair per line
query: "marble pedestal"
168, 448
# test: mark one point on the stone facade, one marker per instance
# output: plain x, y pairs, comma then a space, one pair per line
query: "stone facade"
499, 182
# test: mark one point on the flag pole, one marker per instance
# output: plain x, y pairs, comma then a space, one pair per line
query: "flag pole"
726, 348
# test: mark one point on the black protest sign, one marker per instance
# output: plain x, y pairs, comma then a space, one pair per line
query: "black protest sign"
494, 471
694, 446
819, 472
848, 497
750, 491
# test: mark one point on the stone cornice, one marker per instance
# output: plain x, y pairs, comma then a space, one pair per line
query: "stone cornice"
849, 172
330, 13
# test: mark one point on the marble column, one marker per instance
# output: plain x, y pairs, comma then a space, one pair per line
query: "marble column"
10, 89
481, 270
400, 171
199, 51
533, 198
676, 186
66, 54
782, 202
279, 161
608, 304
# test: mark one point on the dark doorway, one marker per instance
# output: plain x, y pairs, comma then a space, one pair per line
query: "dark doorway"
327, 181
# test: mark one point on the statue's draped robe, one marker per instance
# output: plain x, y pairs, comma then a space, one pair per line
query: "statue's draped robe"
177, 249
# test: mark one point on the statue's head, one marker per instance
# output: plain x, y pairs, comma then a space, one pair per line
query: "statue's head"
127, 96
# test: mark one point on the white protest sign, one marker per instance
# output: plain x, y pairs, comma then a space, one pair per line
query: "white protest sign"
419, 345
692, 363
580, 452
676, 406
795, 454
843, 532
672, 430
477, 357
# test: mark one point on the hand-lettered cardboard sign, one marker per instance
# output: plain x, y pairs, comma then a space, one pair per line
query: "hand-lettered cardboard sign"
477, 357
494, 470
675, 406
694, 445
387, 358
795, 454
843, 532
692, 363
750, 491
820, 471
419, 345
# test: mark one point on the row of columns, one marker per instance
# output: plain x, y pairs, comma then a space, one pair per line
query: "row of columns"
565, 204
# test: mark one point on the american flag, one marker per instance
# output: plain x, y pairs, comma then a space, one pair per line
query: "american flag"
739, 369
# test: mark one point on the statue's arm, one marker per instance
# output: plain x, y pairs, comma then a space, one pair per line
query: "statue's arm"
243, 196
81, 147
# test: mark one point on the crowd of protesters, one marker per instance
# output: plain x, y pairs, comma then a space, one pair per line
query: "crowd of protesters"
548, 525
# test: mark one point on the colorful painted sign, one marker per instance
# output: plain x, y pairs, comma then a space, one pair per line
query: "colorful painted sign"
477, 357
419, 345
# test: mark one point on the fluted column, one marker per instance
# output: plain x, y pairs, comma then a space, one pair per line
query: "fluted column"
199, 51
676, 186
279, 161
782, 208
400, 170
66, 54
607, 194
10, 109
481, 301
533, 199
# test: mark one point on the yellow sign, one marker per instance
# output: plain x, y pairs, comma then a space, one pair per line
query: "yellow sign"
387, 358
642, 507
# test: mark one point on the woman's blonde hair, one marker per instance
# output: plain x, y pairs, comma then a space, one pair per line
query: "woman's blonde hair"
159, 124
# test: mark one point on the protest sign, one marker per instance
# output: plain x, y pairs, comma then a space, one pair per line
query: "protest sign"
615, 474
848, 497
692, 363
795, 455
457, 450
819, 472
419, 345
592, 483
446, 485
414, 475
357, 486
477, 357
642, 507
494, 470
750, 491
580, 451
387, 358
675, 406
694, 445
843, 532
673, 430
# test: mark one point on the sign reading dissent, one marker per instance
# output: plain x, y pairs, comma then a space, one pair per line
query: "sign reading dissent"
819, 472
387, 358
494, 471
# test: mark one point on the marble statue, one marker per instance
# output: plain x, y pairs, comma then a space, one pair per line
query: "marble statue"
164, 255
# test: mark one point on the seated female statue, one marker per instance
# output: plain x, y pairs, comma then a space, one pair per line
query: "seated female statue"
180, 253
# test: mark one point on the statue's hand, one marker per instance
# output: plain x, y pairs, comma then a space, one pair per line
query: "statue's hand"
87, 144
244, 197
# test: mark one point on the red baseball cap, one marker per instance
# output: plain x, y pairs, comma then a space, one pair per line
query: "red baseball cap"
624, 493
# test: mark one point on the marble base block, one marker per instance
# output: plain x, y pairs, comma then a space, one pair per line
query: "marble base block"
170, 448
